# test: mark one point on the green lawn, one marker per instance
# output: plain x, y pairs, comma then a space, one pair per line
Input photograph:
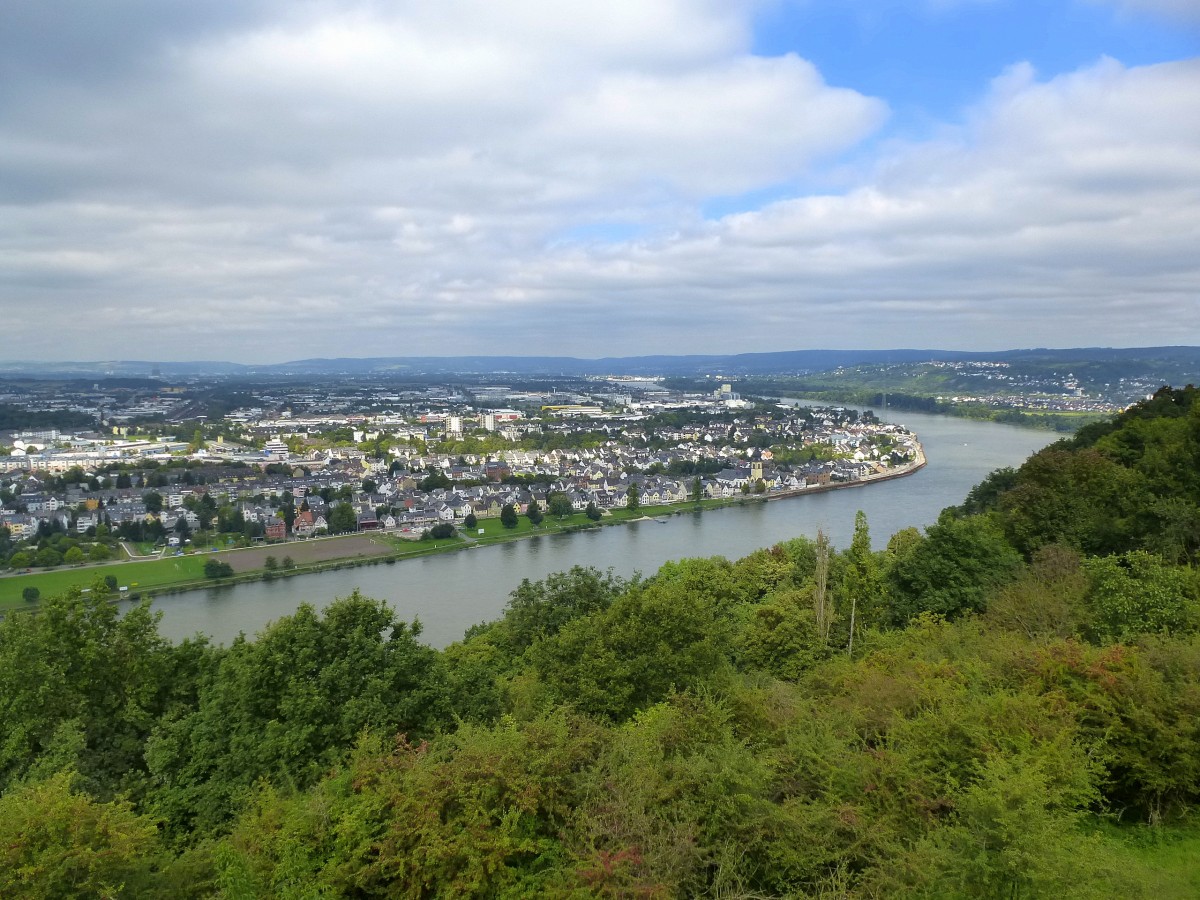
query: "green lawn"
1160, 863
134, 575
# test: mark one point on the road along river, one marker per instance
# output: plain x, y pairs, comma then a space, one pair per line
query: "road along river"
449, 592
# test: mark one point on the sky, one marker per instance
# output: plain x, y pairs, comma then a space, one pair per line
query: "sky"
270, 180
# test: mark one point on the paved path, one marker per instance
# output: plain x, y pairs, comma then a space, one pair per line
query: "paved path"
129, 550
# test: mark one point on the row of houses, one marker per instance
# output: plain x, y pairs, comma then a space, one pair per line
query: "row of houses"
599, 475
398, 503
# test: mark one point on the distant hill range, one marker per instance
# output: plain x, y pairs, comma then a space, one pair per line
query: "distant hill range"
778, 363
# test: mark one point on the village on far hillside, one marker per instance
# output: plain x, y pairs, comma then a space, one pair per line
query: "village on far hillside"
291, 461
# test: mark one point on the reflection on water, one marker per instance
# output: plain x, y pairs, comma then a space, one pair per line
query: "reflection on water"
450, 592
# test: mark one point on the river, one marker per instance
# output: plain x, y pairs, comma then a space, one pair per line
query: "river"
449, 592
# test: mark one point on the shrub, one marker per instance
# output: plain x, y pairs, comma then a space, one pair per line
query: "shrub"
216, 569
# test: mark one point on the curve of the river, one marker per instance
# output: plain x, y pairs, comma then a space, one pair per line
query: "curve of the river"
452, 591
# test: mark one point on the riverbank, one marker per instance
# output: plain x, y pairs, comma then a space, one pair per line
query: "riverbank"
177, 574
450, 592
1060, 421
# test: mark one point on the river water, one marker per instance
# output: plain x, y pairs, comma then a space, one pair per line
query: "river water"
452, 591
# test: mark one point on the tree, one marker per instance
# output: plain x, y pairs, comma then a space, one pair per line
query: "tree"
470, 521
440, 531
214, 568
697, 490
539, 609
73, 556
433, 481
633, 498
342, 518
56, 841
290, 705
1078, 498
781, 636
953, 570
593, 512
288, 563
270, 564
1137, 593
508, 516
81, 686
862, 577
99, 553
534, 512
153, 501
287, 511
653, 639
559, 504
30, 594
822, 602
369, 486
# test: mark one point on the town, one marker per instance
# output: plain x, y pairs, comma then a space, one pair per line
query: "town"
168, 467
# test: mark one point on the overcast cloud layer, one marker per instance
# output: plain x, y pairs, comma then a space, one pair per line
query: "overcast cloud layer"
261, 181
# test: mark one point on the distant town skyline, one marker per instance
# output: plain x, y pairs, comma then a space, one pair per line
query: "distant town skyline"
266, 180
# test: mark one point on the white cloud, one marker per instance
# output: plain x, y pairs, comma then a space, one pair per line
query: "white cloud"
293, 158
275, 180
1065, 213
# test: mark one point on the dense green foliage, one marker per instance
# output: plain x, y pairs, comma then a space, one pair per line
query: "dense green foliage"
214, 568
1129, 484
14, 417
988, 709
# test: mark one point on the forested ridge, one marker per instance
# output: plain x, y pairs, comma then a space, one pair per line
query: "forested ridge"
1006, 705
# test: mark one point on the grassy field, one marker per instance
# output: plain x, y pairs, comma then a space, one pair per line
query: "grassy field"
140, 575
134, 575
1161, 863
